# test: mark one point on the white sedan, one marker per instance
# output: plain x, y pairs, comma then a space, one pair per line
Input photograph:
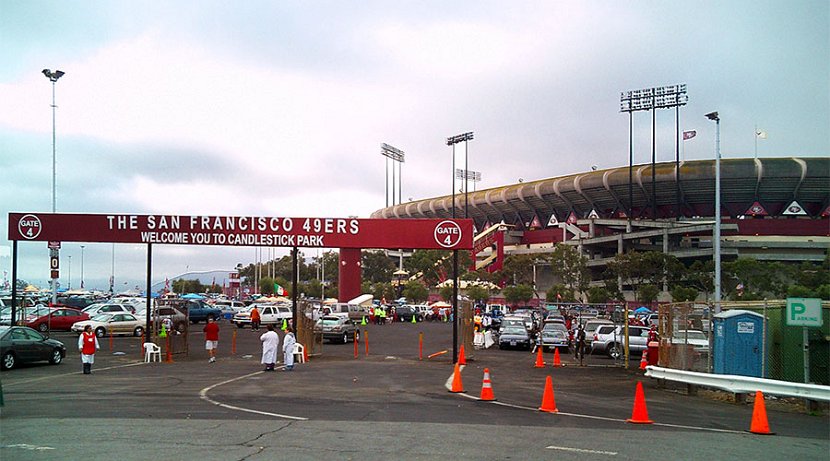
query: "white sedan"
116, 324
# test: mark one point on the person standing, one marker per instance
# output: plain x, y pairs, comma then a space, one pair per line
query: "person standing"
270, 344
581, 345
211, 338
254, 319
87, 345
288, 349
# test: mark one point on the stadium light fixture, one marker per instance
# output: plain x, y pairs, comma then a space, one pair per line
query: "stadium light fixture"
452, 141
53, 77
396, 155
716, 238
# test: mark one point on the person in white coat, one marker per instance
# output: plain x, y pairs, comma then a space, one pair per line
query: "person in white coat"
270, 345
288, 348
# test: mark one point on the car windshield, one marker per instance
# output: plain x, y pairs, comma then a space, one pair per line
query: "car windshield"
102, 317
514, 331
681, 335
330, 320
554, 327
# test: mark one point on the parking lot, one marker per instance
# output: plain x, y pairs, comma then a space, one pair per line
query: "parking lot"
387, 404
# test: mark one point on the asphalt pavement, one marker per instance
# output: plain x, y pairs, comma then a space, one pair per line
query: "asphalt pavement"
388, 404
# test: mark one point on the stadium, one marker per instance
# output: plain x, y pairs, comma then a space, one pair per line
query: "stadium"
774, 209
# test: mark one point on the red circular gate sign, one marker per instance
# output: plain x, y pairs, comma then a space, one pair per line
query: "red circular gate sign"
447, 234
29, 226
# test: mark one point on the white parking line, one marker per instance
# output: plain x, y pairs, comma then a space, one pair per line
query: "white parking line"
203, 396
43, 378
582, 450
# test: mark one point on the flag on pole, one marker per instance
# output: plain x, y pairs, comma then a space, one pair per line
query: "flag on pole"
687, 135
280, 291
761, 134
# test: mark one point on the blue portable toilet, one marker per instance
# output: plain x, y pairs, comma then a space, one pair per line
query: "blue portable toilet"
738, 343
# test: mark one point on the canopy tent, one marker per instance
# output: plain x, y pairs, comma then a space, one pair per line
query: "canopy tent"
440, 304
465, 284
192, 296
642, 310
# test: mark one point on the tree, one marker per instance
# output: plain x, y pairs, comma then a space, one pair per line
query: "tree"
559, 294
446, 293
478, 294
647, 268
518, 294
681, 293
598, 295
571, 267
188, 286
647, 293
518, 269
415, 291
376, 266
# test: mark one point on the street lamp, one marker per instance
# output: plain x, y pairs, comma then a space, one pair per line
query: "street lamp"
716, 244
452, 141
53, 252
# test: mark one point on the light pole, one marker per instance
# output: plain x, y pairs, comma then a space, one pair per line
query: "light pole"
396, 155
467, 176
662, 97
70, 271
53, 252
82, 267
452, 141
716, 243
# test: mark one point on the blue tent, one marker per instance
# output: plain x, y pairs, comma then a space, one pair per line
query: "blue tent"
192, 296
642, 310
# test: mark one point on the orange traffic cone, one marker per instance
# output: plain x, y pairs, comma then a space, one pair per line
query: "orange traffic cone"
644, 360
548, 401
640, 413
456, 380
487, 387
540, 361
760, 425
461, 359
557, 362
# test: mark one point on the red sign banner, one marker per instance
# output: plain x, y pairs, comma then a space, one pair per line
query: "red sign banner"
440, 234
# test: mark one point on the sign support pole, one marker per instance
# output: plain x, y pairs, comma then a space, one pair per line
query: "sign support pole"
806, 340
294, 283
14, 281
148, 328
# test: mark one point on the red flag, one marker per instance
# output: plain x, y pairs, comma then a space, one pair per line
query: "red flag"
689, 134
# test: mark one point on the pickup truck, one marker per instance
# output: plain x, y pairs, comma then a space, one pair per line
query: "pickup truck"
199, 311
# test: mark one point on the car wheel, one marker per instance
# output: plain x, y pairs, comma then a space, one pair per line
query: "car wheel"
100, 332
56, 357
9, 361
181, 327
345, 338
43, 328
138, 331
614, 351
239, 325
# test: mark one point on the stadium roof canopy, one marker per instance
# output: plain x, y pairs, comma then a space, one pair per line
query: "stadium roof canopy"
772, 183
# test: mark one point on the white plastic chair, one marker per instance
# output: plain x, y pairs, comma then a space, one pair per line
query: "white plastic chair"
152, 350
299, 353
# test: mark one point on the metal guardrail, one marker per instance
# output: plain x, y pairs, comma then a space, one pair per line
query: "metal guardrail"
742, 384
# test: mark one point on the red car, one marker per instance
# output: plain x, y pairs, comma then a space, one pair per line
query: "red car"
62, 319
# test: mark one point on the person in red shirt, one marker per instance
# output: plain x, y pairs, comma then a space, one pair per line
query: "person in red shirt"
211, 338
88, 344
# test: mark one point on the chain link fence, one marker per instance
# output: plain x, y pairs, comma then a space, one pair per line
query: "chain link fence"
686, 340
306, 335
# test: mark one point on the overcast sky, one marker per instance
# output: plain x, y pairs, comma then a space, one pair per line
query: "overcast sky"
277, 108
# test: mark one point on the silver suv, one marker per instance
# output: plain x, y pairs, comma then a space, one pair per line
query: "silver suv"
608, 339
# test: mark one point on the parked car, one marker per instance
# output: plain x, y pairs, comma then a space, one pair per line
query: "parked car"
27, 314
338, 328
695, 338
57, 319
23, 344
268, 313
591, 328
514, 336
200, 311
610, 340
108, 308
118, 324
555, 335
405, 314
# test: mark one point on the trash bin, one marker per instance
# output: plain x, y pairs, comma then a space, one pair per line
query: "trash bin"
653, 352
